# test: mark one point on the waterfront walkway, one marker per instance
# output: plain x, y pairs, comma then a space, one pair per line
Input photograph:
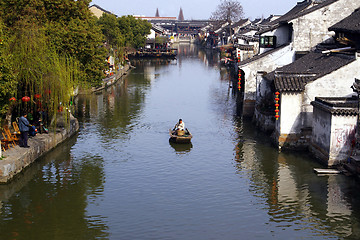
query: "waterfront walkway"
16, 159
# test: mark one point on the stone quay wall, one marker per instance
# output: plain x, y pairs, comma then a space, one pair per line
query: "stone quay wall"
16, 159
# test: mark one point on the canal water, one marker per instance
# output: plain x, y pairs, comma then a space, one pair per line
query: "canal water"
120, 178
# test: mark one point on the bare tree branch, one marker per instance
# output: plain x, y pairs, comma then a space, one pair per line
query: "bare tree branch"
228, 10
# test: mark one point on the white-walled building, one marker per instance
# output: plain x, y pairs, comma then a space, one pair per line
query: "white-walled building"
293, 34
315, 75
333, 129
328, 71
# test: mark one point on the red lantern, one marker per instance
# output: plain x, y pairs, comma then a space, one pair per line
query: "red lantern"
239, 81
25, 99
37, 96
277, 105
13, 99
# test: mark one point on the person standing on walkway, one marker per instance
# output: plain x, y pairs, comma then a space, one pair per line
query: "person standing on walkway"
24, 130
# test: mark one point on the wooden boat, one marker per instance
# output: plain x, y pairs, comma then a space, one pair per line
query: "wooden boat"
186, 138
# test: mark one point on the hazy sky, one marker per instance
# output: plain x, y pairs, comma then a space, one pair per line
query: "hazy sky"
192, 9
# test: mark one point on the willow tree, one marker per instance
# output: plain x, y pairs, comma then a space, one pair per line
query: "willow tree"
73, 30
42, 74
70, 27
8, 83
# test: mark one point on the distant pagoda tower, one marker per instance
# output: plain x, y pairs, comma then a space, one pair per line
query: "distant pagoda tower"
157, 13
181, 15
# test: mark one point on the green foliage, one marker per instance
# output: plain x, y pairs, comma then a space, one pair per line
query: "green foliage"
66, 10
134, 30
51, 45
122, 32
83, 41
69, 25
125, 31
111, 30
160, 39
39, 69
8, 83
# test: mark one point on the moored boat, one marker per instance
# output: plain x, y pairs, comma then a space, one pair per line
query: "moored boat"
178, 138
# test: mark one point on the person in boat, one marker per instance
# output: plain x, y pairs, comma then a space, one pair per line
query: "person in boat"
180, 126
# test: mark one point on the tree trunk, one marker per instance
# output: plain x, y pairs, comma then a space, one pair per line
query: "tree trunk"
8, 117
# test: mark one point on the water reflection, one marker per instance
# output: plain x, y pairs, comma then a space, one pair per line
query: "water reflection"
297, 198
181, 148
120, 179
49, 199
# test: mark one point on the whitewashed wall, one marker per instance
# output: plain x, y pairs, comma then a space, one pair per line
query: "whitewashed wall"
267, 63
152, 34
296, 110
263, 118
342, 133
282, 37
332, 136
321, 134
290, 113
335, 84
308, 31
311, 29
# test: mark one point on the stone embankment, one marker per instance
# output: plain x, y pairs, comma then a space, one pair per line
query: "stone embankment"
16, 159
114, 78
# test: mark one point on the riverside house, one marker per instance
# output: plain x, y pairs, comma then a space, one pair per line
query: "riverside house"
335, 119
289, 37
328, 71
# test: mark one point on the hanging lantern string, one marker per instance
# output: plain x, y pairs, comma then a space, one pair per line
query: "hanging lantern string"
277, 99
239, 80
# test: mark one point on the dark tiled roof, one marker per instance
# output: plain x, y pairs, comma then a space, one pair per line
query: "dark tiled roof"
320, 4
292, 82
259, 56
301, 9
256, 21
295, 76
300, 6
240, 23
337, 106
271, 18
248, 38
245, 47
350, 24
157, 28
